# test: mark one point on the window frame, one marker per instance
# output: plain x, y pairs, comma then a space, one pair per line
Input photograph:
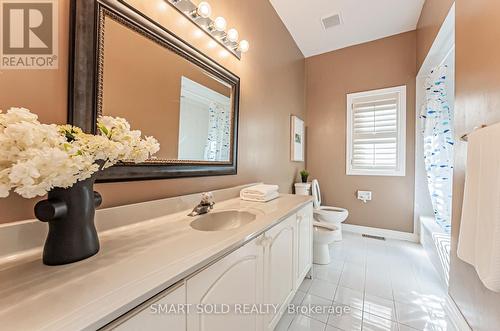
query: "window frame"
401, 135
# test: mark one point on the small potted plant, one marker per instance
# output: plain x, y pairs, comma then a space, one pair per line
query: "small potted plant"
303, 188
62, 161
303, 175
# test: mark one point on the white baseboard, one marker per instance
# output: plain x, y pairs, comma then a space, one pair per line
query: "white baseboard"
390, 234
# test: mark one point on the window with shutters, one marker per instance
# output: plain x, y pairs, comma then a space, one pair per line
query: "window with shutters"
376, 132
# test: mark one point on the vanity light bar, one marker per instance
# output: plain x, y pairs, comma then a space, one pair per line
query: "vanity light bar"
200, 15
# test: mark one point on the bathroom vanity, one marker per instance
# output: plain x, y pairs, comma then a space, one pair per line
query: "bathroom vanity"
152, 256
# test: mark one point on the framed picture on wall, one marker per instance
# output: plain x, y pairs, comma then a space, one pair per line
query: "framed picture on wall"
297, 138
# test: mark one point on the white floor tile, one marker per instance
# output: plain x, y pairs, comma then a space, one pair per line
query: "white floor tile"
337, 265
322, 288
438, 322
304, 323
387, 285
353, 276
326, 273
379, 287
427, 301
284, 322
350, 297
299, 296
379, 307
404, 282
306, 285
412, 315
337, 257
318, 307
403, 327
376, 323
349, 321
356, 257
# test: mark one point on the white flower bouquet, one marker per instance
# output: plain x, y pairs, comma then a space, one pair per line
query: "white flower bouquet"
36, 157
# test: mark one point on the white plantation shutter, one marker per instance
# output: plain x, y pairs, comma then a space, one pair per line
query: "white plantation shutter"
376, 132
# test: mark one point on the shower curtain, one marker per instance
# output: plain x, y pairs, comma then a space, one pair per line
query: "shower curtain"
437, 120
219, 135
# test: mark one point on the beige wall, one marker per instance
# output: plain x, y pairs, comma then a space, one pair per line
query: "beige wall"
477, 101
272, 88
379, 64
433, 14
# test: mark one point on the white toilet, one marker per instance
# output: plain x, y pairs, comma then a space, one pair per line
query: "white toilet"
329, 215
324, 234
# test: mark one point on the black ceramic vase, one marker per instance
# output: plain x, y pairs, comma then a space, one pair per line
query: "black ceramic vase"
70, 213
304, 178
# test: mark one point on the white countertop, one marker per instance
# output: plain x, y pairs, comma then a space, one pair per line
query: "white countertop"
135, 262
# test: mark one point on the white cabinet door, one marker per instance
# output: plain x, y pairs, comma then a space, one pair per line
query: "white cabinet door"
279, 268
162, 313
234, 280
304, 243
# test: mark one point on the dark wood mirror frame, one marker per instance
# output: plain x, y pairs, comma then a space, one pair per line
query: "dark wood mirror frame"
83, 94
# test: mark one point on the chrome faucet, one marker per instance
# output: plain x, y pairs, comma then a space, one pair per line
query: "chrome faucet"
206, 204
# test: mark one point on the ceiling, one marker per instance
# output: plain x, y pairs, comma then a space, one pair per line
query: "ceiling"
363, 20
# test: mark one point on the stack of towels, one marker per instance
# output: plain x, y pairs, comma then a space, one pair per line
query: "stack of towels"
260, 193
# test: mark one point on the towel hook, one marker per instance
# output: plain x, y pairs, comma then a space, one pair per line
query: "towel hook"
465, 137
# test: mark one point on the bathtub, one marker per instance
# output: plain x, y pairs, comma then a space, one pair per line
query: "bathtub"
436, 243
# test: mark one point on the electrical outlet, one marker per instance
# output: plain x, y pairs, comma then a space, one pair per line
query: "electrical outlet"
365, 196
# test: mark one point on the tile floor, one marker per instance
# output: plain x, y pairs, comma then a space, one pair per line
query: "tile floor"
387, 285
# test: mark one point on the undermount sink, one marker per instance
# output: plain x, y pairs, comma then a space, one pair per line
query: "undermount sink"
222, 220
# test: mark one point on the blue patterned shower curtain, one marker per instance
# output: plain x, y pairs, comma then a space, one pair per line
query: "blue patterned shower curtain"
219, 133
437, 120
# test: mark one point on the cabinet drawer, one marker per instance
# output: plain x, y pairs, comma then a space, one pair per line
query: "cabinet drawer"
156, 313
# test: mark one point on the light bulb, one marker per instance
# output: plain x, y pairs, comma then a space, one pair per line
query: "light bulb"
244, 46
204, 9
162, 6
232, 35
220, 23
212, 44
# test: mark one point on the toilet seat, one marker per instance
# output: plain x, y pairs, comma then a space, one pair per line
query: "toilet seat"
316, 193
333, 215
328, 214
327, 209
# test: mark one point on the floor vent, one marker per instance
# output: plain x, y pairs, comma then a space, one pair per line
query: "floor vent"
373, 237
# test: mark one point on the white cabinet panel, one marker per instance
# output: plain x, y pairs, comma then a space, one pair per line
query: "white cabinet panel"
153, 316
279, 267
304, 243
235, 279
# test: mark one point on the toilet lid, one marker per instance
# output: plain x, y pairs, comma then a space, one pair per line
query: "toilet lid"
316, 193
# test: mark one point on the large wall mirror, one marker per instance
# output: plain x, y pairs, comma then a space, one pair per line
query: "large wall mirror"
161, 85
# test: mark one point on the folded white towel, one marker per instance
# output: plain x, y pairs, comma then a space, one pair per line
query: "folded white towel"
260, 198
260, 189
479, 239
